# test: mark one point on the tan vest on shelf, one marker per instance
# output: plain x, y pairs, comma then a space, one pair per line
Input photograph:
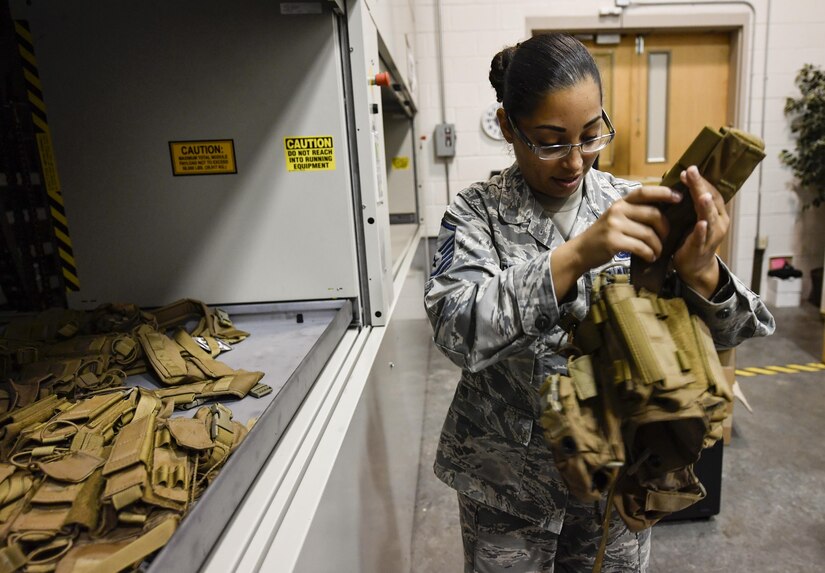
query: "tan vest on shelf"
102, 483
95, 476
71, 353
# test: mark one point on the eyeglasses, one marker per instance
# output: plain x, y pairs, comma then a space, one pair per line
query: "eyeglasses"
558, 151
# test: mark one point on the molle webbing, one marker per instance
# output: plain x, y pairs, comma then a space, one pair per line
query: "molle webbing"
238, 385
638, 405
202, 359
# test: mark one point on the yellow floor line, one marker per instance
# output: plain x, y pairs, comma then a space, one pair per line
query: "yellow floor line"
773, 370
781, 369
803, 368
756, 370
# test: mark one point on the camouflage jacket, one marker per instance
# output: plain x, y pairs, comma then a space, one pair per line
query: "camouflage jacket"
494, 313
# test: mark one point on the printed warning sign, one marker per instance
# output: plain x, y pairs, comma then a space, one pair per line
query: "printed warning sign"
309, 153
203, 157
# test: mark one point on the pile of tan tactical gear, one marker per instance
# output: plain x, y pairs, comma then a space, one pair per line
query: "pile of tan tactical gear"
645, 390
95, 476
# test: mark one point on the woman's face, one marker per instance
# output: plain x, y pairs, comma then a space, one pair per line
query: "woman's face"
569, 115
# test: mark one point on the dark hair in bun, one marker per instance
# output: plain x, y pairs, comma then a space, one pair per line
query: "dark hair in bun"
523, 74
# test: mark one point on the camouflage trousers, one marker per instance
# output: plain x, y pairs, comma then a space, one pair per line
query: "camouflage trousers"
497, 542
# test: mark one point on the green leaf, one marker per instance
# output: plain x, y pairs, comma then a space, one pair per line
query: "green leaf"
806, 115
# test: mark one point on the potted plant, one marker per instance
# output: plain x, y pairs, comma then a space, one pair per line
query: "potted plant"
807, 117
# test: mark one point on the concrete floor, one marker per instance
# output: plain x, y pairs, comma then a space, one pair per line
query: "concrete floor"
772, 515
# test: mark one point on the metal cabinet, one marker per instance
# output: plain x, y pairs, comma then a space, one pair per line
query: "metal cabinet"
235, 154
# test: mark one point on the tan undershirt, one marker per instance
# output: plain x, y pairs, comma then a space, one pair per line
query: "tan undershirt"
562, 210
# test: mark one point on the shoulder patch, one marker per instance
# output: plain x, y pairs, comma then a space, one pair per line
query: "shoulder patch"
446, 247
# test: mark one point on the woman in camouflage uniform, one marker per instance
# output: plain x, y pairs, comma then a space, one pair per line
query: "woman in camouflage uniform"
516, 257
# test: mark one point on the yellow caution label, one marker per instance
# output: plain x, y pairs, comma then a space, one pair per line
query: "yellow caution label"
203, 157
401, 162
309, 153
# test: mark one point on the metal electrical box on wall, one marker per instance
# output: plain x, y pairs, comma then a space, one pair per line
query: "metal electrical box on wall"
444, 140
198, 156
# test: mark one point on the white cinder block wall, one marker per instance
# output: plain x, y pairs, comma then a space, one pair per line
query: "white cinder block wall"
474, 30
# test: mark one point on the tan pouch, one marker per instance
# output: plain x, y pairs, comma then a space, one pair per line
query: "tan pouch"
646, 338
132, 445
74, 467
56, 505
127, 468
726, 158
171, 474
107, 423
190, 433
582, 433
164, 356
91, 408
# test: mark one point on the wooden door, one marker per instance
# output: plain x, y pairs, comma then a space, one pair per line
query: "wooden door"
660, 90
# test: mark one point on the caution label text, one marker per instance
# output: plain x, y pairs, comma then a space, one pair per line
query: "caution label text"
309, 153
203, 157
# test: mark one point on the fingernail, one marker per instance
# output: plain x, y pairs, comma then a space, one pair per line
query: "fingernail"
675, 195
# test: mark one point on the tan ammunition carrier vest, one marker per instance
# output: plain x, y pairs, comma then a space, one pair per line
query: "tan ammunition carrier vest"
645, 391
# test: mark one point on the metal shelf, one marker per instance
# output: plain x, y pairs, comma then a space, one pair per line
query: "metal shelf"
291, 355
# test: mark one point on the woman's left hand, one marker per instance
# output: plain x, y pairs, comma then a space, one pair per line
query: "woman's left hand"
695, 261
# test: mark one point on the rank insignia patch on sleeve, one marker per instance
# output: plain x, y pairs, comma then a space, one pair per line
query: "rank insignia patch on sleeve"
446, 247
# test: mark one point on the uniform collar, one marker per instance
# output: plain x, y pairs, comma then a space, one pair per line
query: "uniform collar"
517, 205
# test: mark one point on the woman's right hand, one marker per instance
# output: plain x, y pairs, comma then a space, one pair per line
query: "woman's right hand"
633, 224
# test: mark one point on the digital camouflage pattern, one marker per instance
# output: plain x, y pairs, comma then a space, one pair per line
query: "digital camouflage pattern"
496, 541
494, 313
